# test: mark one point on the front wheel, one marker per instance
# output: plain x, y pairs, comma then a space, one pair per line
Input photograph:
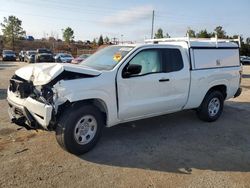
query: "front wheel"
80, 128
211, 107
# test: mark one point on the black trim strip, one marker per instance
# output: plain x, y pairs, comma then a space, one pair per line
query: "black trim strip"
213, 48
116, 93
140, 75
215, 68
190, 59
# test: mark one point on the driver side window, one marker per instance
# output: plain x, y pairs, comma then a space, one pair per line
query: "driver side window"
150, 60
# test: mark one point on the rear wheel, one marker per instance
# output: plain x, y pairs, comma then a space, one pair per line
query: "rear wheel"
211, 107
80, 128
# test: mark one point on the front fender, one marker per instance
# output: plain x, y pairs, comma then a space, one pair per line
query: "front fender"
74, 91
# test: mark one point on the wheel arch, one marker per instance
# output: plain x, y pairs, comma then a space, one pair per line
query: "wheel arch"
221, 88
97, 102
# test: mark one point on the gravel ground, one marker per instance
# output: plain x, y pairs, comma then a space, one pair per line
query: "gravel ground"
175, 150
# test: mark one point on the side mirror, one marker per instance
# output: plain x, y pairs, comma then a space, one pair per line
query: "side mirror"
132, 70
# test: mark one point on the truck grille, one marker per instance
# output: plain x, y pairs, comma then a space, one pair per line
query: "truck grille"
45, 58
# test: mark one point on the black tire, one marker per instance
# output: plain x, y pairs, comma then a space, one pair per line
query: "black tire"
65, 130
203, 111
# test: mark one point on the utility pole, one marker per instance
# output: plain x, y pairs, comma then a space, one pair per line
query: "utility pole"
153, 20
115, 40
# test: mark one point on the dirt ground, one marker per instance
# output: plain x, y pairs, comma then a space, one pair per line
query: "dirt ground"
175, 150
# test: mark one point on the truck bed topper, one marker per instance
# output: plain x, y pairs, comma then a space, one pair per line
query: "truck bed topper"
201, 42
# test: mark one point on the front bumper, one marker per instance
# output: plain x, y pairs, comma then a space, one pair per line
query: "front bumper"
9, 58
31, 60
31, 111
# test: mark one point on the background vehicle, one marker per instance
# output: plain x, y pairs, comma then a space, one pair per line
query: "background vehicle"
30, 56
63, 58
9, 55
245, 60
21, 55
126, 83
80, 58
44, 55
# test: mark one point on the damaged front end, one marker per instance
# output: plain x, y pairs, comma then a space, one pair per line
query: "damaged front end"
35, 95
29, 105
38, 106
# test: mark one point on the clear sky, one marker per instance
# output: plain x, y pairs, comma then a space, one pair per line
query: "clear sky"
132, 19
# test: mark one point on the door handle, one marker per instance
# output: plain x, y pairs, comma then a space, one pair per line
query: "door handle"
164, 80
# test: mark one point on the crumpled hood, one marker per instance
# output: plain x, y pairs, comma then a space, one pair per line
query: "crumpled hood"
43, 73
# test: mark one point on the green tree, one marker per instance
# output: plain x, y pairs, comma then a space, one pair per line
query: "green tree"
248, 40
191, 33
68, 34
245, 47
167, 36
203, 34
235, 37
12, 30
220, 32
159, 34
94, 42
106, 40
100, 41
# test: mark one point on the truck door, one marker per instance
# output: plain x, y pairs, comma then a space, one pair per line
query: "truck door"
160, 87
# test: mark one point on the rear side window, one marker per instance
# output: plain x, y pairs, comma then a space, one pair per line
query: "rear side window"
172, 60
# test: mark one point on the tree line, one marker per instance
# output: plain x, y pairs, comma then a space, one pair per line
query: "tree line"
68, 36
13, 31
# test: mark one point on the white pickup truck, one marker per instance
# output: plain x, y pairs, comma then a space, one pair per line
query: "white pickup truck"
123, 83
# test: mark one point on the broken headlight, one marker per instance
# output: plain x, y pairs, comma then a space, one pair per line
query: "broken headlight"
48, 94
44, 94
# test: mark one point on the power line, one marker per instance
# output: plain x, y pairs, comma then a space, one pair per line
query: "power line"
71, 8
66, 18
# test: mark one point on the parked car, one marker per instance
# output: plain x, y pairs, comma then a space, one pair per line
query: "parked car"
80, 58
245, 60
21, 55
30, 38
8, 55
125, 83
43, 55
63, 58
30, 56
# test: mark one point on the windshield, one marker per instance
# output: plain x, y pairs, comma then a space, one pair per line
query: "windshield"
66, 55
8, 52
31, 53
44, 51
107, 58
